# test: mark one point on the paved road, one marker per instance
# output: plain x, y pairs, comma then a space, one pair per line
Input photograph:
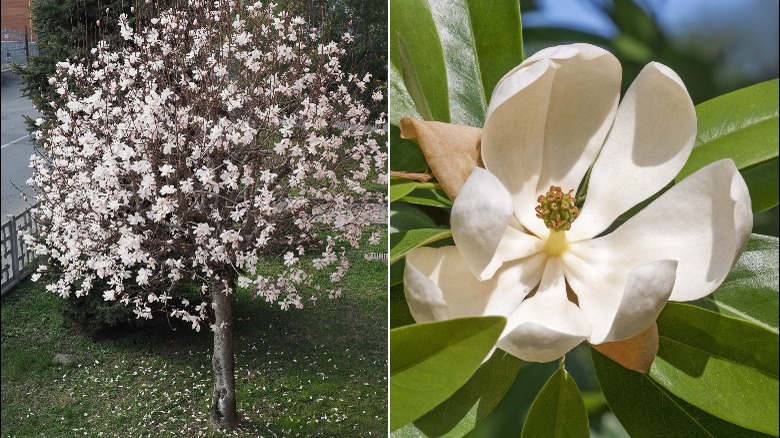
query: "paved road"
16, 146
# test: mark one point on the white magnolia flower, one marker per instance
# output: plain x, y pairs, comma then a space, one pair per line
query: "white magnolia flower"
548, 121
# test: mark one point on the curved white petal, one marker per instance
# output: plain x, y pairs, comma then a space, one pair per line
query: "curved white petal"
619, 299
481, 229
547, 325
513, 136
438, 285
703, 223
646, 293
649, 143
547, 120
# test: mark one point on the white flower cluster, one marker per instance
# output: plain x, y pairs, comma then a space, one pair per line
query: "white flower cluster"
210, 142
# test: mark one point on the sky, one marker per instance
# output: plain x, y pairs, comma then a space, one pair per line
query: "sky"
742, 34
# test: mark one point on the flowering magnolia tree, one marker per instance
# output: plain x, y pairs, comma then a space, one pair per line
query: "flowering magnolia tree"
220, 136
576, 215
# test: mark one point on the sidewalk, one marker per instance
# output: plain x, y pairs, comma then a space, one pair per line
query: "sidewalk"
16, 146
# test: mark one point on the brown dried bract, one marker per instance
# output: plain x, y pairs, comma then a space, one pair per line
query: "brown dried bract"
635, 353
452, 151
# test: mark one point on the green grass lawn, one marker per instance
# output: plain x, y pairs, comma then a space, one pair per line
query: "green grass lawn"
319, 371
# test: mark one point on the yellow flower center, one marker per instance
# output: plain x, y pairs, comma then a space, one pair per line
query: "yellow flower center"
556, 244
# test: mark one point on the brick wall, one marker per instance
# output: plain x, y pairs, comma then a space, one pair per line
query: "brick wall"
16, 15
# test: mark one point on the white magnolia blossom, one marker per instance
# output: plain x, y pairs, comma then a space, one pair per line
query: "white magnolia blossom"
158, 167
549, 120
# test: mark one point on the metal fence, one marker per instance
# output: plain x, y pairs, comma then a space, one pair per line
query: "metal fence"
16, 257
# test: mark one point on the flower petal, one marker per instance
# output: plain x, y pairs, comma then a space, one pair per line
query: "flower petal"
480, 219
547, 325
703, 222
649, 143
619, 299
438, 285
547, 120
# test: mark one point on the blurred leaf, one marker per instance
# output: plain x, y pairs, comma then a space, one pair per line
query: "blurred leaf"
405, 155
750, 290
630, 48
400, 187
429, 362
432, 197
528, 5
551, 36
741, 125
607, 425
470, 404
633, 21
761, 181
415, 50
508, 416
595, 402
646, 409
399, 309
405, 241
558, 410
722, 365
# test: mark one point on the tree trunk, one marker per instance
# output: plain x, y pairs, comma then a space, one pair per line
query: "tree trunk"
223, 406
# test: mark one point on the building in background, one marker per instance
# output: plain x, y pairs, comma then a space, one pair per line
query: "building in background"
17, 32
16, 17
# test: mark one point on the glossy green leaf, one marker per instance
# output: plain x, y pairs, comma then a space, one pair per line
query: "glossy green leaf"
762, 183
412, 80
432, 197
396, 273
558, 410
405, 241
647, 410
451, 54
400, 187
404, 217
467, 101
741, 125
460, 413
405, 155
498, 39
403, 105
429, 362
481, 41
399, 309
722, 365
750, 290
416, 53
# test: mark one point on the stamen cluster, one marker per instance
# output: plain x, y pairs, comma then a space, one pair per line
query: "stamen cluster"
557, 209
